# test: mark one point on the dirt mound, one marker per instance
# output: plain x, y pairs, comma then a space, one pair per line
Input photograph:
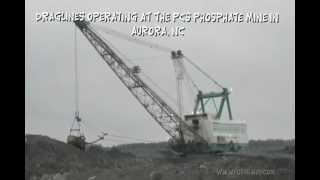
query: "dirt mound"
49, 159
44, 155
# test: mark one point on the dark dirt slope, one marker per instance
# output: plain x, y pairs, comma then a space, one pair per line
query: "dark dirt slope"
55, 160
271, 147
44, 155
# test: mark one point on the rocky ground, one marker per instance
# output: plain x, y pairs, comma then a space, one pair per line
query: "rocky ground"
49, 159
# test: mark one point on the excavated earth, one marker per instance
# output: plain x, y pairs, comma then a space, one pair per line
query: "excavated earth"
50, 159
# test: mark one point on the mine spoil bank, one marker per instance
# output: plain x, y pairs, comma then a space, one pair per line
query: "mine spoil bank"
50, 159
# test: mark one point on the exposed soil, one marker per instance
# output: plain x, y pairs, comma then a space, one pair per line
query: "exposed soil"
49, 159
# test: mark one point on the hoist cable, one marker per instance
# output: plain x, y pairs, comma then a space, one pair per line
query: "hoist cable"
138, 41
154, 46
115, 135
131, 138
76, 88
191, 80
142, 73
203, 72
146, 59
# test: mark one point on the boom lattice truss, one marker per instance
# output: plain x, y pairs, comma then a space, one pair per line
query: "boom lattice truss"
162, 113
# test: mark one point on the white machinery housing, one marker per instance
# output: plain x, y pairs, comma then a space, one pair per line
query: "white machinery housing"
220, 134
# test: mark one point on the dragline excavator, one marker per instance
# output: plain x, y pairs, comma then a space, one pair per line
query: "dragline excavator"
197, 132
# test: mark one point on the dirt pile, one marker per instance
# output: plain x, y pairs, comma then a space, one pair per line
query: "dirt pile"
44, 155
49, 159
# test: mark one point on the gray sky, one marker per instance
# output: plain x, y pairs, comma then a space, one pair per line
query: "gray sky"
256, 60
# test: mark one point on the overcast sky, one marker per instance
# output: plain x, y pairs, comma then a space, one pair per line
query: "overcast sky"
256, 60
